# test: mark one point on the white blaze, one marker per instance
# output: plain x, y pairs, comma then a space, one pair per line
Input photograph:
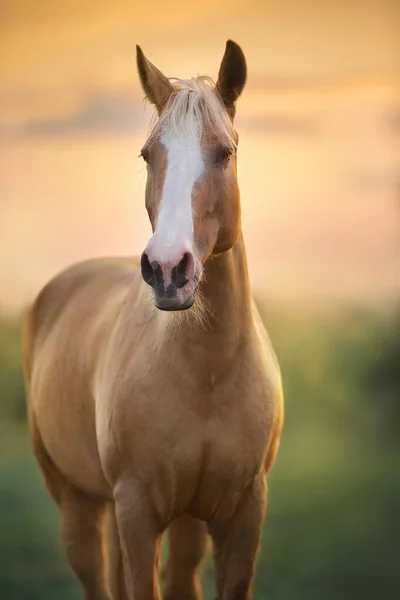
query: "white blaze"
185, 165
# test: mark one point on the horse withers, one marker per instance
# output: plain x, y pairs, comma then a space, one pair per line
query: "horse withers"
154, 395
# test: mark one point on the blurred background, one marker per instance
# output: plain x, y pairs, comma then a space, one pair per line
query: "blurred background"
319, 171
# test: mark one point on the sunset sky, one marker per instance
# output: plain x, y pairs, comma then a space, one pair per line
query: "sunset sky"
319, 124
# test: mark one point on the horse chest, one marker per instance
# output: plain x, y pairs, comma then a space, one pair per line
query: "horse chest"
197, 460
229, 455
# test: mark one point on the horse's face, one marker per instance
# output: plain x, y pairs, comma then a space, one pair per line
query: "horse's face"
192, 195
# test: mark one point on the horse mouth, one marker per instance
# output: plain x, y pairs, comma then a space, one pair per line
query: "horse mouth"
173, 304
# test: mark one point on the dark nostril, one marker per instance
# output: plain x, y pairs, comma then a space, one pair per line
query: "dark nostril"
152, 273
147, 269
183, 271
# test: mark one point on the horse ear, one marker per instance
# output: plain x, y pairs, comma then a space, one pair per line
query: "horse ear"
154, 83
232, 75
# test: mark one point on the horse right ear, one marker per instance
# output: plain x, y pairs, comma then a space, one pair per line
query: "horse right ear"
154, 83
232, 75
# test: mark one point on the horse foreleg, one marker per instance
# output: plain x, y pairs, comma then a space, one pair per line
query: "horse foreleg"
116, 577
140, 534
187, 545
236, 542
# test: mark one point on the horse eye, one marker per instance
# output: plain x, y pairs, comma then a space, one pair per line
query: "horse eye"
224, 153
145, 154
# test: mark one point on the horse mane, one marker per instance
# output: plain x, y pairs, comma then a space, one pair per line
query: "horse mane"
194, 103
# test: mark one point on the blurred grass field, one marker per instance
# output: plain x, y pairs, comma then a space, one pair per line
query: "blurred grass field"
333, 526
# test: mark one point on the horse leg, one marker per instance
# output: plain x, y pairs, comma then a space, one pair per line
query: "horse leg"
81, 529
140, 530
236, 542
187, 545
81, 519
116, 577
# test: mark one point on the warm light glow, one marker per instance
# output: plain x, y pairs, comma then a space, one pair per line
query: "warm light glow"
319, 137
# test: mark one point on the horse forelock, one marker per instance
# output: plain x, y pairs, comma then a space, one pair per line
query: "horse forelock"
193, 109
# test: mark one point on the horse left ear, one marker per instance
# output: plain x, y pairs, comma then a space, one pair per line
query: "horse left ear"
232, 75
154, 83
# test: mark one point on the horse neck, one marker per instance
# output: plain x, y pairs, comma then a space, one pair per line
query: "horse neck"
206, 348
226, 291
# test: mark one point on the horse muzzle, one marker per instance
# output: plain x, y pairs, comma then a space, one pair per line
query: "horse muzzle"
173, 281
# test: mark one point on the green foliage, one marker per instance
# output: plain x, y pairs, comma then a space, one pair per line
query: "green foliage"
384, 376
12, 394
332, 528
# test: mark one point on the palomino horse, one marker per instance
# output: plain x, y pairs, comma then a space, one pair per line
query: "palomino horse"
164, 418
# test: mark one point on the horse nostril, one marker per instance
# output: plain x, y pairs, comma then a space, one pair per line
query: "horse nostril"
183, 271
181, 274
147, 269
152, 273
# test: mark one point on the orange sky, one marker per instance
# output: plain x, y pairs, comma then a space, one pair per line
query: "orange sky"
319, 151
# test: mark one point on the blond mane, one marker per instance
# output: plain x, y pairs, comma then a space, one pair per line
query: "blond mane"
194, 104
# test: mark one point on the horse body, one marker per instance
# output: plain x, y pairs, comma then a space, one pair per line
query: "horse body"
70, 325
172, 419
